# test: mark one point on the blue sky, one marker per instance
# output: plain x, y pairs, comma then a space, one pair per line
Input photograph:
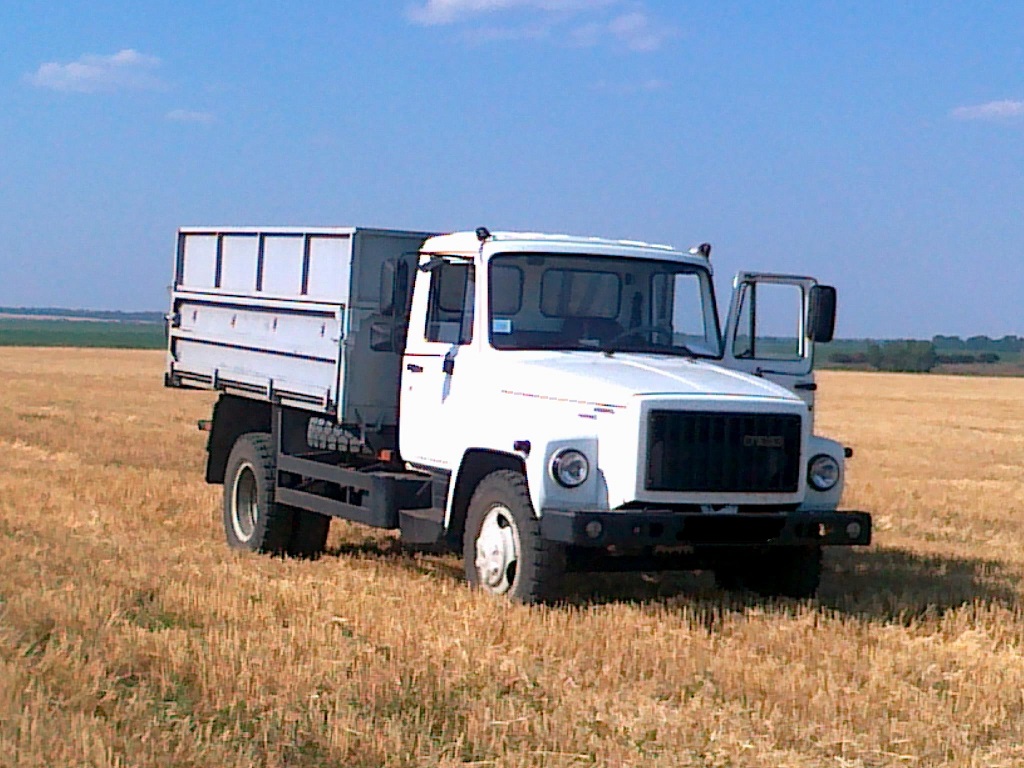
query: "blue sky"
878, 146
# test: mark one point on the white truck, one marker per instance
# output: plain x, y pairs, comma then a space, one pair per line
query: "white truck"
539, 403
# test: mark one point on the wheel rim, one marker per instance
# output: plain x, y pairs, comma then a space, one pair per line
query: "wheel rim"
497, 551
245, 508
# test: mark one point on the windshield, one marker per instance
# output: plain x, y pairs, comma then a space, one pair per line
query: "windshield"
606, 303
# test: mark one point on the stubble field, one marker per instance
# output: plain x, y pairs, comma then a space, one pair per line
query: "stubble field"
131, 636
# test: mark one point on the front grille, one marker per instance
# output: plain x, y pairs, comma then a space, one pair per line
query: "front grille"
723, 452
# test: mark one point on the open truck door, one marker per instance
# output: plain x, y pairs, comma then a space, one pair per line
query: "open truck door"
774, 321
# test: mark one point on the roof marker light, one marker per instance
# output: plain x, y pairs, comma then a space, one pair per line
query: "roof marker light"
704, 249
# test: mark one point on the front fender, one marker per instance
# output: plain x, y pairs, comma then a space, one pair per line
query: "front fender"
816, 500
534, 430
545, 491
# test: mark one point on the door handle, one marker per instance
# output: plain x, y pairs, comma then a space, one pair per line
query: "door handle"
413, 368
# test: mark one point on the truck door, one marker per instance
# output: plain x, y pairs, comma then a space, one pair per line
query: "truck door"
773, 323
440, 325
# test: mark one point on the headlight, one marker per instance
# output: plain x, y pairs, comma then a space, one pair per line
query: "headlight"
823, 472
570, 468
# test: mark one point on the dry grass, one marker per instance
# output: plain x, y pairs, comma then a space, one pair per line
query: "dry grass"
131, 636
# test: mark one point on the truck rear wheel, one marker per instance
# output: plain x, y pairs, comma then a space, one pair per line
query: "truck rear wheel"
503, 551
252, 520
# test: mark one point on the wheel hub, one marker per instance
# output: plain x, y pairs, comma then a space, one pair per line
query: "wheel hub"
497, 550
245, 503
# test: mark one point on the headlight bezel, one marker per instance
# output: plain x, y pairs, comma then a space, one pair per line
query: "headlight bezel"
823, 472
560, 462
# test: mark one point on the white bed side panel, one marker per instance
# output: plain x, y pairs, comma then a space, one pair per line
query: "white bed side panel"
329, 268
239, 262
199, 261
282, 265
272, 348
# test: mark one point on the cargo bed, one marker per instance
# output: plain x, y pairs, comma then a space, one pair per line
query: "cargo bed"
284, 315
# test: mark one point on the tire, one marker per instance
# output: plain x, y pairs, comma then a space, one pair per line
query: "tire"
309, 534
778, 572
503, 552
252, 520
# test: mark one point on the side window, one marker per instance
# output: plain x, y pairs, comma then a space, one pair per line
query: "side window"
678, 304
770, 323
450, 308
743, 344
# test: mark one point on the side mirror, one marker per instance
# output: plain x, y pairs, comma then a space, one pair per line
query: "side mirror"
821, 313
433, 263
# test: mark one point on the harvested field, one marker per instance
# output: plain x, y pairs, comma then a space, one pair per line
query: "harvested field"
131, 636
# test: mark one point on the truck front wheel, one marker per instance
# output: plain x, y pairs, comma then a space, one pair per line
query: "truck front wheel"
503, 551
252, 520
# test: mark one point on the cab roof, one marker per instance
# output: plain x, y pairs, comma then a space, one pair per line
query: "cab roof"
468, 244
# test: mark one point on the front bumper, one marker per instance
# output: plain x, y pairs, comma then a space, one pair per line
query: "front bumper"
670, 528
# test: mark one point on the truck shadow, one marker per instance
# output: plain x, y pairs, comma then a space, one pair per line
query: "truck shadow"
898, 585
415, 560
878, 584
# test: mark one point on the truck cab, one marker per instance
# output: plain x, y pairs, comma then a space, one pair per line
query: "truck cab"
575, 403
597, 370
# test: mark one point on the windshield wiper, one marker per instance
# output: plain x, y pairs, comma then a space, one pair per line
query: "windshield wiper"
677, 350
652, 332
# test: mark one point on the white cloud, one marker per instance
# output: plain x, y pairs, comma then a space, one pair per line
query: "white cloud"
434, 12
586, 35
190, 116
577, 23
636, 32
505, 34
625, 88
125, 70
993, 110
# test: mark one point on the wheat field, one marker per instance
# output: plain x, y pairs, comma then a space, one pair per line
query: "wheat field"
131, 636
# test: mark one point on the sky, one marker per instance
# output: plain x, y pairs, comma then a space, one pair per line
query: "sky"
877, 146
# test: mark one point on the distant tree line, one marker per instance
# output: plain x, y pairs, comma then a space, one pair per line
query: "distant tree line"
922, 356
960, 358
911, 356
979, 344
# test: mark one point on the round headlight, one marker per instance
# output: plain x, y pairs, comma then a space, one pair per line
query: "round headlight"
823, 472
570, 468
